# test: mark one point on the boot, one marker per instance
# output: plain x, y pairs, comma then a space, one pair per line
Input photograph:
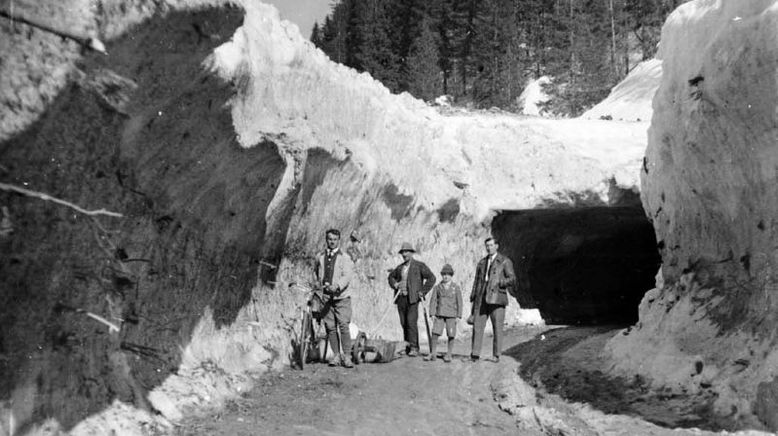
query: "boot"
447, 357
335, 360
433, 345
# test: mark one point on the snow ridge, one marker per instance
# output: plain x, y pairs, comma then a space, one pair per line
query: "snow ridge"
290, 93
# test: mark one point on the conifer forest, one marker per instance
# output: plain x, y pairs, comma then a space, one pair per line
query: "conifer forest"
481, 53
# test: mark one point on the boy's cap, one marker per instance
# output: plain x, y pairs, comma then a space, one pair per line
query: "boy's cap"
447, 269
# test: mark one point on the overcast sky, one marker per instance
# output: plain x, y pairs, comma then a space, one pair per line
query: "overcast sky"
302, 12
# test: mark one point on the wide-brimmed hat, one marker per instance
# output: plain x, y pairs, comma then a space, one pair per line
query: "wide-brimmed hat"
407, 247
447, 269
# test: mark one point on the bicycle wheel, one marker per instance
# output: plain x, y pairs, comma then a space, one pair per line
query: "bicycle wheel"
358, 349
306, 338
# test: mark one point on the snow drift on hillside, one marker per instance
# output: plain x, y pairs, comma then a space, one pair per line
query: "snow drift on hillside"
630, 100
533, 96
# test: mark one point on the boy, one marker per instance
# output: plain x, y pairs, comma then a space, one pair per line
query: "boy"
446, 308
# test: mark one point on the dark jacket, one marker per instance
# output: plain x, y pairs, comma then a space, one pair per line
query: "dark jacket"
501, 280
420, 280
446, 301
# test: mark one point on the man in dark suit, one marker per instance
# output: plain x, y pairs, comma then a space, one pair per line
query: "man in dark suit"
494, 277
411, 280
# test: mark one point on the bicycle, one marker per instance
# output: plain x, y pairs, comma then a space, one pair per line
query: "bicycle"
308, 332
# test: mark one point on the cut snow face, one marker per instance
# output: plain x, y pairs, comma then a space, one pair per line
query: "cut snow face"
709, 184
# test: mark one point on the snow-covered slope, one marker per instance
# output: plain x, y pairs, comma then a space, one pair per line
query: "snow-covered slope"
630, 100
710, 187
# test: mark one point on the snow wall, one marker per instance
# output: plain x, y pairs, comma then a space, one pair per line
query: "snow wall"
229, 144
709, 186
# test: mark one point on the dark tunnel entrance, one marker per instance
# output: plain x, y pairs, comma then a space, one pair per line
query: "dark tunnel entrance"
581, 266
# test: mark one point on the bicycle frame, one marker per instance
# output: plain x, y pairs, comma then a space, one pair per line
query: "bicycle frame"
309, 333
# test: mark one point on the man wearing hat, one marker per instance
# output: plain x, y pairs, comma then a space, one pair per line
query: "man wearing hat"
411, 281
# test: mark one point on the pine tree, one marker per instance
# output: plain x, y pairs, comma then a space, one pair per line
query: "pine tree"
316, 35
327, 36
373, 52
470, 12
337, 42
485, 48
442, 13
424, 76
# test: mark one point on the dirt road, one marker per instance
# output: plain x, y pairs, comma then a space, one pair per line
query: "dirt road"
411, 396
406, 396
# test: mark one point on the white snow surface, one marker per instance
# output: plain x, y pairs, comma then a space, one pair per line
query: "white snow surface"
631, 99
533, 96
290, 93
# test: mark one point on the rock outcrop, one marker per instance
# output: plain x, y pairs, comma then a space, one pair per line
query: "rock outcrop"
709, 186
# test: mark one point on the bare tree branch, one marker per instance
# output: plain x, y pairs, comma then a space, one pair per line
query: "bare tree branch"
47, 197
91, 42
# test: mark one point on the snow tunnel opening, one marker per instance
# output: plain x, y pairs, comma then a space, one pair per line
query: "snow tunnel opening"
581, 266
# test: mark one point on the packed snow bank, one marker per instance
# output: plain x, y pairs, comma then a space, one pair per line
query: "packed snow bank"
38, 63
143, 131
533, 96
709, 185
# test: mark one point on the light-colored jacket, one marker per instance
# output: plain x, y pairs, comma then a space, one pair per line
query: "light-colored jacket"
446, 301
342, 274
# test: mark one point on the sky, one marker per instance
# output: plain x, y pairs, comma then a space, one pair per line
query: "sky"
302, 12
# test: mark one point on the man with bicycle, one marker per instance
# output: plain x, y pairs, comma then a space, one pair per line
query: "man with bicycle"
334, 271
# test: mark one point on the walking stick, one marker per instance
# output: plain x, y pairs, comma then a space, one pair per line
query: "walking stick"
427, 324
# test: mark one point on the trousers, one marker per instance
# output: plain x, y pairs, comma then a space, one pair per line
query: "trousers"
496, 314
409, 321
337, 316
